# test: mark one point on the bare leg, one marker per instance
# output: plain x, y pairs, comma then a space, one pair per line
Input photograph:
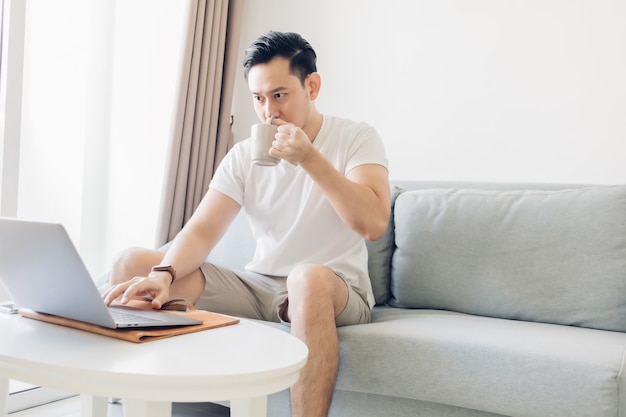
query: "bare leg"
137, 262
316, 297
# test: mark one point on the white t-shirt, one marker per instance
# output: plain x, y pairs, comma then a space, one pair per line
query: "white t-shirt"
291, 219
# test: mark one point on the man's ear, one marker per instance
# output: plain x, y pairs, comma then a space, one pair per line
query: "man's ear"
313, 83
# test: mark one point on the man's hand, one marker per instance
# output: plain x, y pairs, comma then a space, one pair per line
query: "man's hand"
154, 288
291, 143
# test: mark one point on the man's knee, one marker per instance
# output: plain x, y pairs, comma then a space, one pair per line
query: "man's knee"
311, 278
128, 256
314, 288
133, 261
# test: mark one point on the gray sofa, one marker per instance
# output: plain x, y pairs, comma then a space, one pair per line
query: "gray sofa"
493, 300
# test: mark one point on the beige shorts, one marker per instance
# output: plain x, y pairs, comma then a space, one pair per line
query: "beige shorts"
256, 296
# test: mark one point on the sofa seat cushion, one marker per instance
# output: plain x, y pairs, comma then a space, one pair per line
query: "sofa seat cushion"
358, 404
496, 365
545, 256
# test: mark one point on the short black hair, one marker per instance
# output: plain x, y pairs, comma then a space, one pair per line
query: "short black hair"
302, 57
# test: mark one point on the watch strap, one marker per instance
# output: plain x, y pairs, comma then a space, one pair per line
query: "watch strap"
165, 268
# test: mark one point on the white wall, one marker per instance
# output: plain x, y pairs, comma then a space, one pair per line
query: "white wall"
514, 90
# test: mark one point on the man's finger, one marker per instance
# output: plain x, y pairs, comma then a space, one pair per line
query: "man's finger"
113, 292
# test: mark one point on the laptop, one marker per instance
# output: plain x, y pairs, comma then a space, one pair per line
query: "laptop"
42, 271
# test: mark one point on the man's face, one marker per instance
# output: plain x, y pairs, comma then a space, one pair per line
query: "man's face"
276, 92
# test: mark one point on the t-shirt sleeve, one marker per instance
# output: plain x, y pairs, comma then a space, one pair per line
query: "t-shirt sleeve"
367, 148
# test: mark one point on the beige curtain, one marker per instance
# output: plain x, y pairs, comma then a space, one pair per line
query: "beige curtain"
202, 134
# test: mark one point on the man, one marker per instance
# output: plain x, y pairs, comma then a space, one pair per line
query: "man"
309, 215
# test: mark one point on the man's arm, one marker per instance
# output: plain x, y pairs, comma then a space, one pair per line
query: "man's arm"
361, 198
187, 252
201, 233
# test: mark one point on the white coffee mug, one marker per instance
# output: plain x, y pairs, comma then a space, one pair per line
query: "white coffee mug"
262, 138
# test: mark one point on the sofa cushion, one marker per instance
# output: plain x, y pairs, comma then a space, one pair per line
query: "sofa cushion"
548, 256
507, 367
379, 257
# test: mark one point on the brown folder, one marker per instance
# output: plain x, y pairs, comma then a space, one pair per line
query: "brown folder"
209, 321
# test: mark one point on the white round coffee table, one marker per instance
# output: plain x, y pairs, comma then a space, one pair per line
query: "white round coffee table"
242, 363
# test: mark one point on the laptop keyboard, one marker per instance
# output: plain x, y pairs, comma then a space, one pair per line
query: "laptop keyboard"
126, 317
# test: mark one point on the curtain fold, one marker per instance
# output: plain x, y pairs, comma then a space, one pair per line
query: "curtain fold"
202, 132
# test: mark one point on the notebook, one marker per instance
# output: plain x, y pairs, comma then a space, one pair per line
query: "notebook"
42, 271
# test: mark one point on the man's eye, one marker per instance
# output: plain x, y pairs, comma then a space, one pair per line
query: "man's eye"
278, 96
257, 98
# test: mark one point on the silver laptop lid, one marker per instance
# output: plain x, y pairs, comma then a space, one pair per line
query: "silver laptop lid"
42, 270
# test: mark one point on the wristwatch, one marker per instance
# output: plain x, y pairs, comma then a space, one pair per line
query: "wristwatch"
166, 268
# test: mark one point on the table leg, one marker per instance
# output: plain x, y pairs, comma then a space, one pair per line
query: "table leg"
4, 394
93, 406
139, 408
249, 407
